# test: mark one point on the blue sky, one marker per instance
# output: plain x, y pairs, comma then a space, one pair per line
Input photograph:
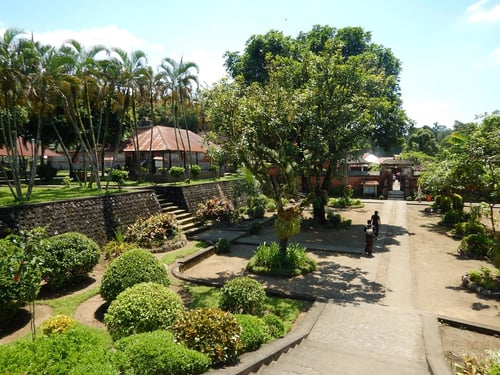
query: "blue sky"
449, 49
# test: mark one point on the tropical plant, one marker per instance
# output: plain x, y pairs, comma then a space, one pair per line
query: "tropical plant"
211, 331
156, 232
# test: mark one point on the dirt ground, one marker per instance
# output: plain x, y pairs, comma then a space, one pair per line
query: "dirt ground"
437, 266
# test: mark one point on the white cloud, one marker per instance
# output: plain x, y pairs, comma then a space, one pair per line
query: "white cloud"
428, 111
496, 55
478, 13
211, 66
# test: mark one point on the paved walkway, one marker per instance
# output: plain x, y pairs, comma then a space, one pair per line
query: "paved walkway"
364, 320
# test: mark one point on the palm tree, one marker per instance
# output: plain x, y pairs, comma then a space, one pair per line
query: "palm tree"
133, 70
82, 80
175, 80
14, 69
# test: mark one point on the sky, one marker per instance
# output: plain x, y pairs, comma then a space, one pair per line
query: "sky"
449, 49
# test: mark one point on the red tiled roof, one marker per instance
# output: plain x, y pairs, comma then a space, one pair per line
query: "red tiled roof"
26, 149
163, 139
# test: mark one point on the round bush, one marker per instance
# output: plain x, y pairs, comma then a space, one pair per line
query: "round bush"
274, 325
130, 268
68, 258
476, 245
253, 332
144, 307
210, 331
243, 295
20, 277
156, 353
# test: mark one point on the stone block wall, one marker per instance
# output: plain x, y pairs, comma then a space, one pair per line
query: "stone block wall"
189, 197
97, 217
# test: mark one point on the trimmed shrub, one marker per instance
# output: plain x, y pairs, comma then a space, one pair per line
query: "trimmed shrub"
252, 332
222, 246
81, 350
57, 325
476, 245
457, 202
144, 307
257, 206
211, 331
131, 268
274, 325
176, 171
469, 227
156, 353
119, 176
451, 218
155, 232
69, 257
20, 277
243, 295
195, 170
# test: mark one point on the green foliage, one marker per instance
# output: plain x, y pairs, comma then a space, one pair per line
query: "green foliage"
68, 258
451, 217
58, 324
81, 350
210, 331
269, 259
274, 325
337, 221
494, 254
222, 246
253, 332
457, 202
469, 227
156, 353
442, 203
195, 170
144, 307
114, 248
216, 210
154, 232
476, 245
243, 295
257, 206
487, 365
20, 276
131, 268
343, 202
176, 171
486, 277
119, 176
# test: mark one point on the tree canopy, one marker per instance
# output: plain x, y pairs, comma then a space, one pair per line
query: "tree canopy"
306, 104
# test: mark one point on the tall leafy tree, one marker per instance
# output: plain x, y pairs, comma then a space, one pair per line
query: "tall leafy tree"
469, 164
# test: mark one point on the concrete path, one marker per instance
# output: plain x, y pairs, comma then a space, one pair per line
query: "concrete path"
364, 320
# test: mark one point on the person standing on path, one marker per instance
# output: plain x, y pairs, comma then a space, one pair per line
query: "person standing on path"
376, 223
369, 235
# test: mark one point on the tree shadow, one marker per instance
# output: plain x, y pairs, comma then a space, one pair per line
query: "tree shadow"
20, 320
47, 292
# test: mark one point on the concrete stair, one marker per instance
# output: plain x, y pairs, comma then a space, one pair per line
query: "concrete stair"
397, 195
188, 223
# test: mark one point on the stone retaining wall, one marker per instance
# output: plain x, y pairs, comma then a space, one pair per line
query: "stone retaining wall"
96, 217
100, 217
189, 197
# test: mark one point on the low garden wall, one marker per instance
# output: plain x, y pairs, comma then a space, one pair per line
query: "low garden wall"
100, 217
96, 217
189, 197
